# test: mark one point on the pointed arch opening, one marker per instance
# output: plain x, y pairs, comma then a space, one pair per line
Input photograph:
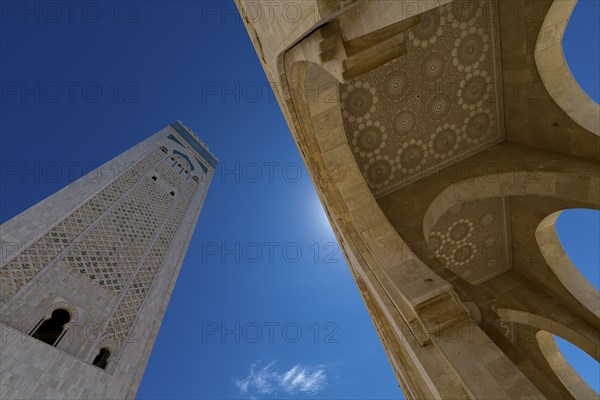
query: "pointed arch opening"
101, 359
51, 330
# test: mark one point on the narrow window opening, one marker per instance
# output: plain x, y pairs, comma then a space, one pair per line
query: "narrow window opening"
51, 330
101, 360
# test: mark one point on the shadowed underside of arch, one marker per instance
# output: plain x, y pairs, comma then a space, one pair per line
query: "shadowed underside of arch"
586, 340
550, 184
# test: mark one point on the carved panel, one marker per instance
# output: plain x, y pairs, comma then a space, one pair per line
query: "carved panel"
435, 104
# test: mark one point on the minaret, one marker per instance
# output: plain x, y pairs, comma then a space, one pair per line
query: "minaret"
87, 273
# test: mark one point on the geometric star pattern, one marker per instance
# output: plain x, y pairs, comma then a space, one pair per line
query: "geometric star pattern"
432, 105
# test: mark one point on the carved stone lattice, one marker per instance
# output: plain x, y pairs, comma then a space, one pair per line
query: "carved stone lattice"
27, 264
124, 317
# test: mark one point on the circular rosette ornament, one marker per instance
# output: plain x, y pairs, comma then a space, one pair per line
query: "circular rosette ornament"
478, 126
470, 49
379, 172
428, 30
488, 219
359, 101
462, 13
433, 66
436, 242
395, 84
404, 122
439, 106
460, 231
444, 141
412, 156
463, 253
369, 139
474, 90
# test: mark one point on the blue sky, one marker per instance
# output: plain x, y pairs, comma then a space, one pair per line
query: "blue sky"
580, 46
95, 82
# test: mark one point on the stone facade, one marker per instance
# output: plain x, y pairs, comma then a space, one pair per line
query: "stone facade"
107, 249
444, 138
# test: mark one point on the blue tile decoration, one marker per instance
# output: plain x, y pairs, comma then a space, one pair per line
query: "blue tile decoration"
204, 167
173, 138
194, 142
185, 156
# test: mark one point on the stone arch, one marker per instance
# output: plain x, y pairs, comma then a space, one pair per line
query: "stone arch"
67, 306
562, 266
420, 306
102, 358
317, 55
554, 70
45, 313
408, 281
570, 379
585, 339
114, 342
52, 327
110, 342
568, 186
404, 284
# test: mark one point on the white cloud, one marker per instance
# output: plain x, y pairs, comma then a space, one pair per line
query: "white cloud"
268, 380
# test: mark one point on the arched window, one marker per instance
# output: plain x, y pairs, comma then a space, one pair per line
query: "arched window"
101, 359
50, 330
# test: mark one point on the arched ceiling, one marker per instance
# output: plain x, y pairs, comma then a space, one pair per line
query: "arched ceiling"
433, 105
471, 240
